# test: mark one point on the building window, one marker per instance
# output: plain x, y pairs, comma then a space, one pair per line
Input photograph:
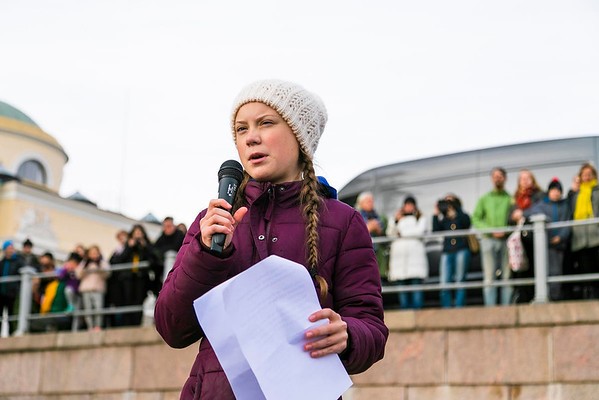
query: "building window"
32, 171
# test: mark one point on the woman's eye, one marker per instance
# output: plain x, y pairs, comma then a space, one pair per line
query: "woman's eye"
267, 122
240, 129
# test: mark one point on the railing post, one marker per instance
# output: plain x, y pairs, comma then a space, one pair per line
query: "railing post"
541, 257
25, 298
169, 261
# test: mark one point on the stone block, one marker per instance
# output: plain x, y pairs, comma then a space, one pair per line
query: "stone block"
132, 336
28, 342
576, 353
111, 396
87, 370
578, 392
400, 320
172, 395
458, 393
498, 356
27, 397
161, 367
555, 392
20, 373
410, 357
378, 393
559, 313
146, 396
469, 317
83, 339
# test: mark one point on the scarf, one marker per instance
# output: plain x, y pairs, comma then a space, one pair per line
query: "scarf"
584, 207
524, 198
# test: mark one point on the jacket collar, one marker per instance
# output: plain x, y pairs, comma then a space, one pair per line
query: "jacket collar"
286, 194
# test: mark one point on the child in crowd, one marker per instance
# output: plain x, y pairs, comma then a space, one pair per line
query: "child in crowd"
67, 275
93, 273
556, 208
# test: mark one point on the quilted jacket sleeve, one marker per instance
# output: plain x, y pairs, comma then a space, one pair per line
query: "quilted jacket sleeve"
358, 298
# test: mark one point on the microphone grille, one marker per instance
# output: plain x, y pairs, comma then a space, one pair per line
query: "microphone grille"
231, 168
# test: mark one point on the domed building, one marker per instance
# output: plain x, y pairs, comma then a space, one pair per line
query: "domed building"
31, 171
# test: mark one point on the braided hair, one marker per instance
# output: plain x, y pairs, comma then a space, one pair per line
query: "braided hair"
310, 202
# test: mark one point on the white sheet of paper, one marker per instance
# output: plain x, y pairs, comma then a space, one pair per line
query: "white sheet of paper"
256, 323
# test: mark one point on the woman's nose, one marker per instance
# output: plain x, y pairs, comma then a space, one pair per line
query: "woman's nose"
252, 136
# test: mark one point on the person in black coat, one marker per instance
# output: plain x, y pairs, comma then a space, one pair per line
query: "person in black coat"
135, 282
10, 265
171, 239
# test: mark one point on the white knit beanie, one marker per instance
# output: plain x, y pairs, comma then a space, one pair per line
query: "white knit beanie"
303, 111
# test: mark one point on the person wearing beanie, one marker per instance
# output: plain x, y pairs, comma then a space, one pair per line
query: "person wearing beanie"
10, 265
556, 209
281, 208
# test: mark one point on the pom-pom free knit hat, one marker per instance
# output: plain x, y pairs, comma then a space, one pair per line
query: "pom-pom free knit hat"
303, 111
6, 244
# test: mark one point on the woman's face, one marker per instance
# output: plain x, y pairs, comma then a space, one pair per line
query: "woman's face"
137, 234
266, 145
587, 175
525, 180
93, 253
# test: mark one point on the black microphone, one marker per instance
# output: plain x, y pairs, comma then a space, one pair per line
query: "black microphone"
230, 175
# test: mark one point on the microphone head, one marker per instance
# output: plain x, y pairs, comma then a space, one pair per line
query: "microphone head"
231, 168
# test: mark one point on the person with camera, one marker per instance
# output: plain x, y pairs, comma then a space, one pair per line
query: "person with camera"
455, 257
408, 264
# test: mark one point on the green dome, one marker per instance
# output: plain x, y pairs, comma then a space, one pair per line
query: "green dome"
8, 111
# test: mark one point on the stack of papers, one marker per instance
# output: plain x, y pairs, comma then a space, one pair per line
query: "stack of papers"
256, 323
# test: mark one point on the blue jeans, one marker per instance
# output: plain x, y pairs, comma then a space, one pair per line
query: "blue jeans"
414, 299
453, 268
493, 254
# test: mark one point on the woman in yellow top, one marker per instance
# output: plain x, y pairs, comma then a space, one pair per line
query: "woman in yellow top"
585, 238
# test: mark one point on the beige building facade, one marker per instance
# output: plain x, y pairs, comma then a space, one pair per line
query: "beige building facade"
30, 205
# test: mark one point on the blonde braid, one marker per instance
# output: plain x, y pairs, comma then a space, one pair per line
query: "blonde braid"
310, 202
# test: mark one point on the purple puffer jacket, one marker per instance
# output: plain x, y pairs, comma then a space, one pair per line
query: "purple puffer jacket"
274, 225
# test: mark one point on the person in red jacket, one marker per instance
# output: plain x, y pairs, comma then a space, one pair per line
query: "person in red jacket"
282, 208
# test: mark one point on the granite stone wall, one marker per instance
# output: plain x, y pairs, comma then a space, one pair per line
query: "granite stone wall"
506, 353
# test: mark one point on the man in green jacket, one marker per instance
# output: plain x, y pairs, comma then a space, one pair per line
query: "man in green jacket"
492, 211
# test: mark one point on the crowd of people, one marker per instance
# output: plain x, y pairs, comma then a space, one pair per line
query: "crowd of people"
89, 281
572, 250
86, 280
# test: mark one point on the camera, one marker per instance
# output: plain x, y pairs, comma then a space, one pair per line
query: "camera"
443, 206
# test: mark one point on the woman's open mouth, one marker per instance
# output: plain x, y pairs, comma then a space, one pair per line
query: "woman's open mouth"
257, 158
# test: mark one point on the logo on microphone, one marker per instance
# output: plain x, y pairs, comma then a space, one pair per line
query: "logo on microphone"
231, 189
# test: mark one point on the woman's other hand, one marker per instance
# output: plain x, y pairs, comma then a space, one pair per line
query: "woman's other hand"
329, 338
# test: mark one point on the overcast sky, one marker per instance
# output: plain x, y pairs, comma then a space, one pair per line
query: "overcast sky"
139, 92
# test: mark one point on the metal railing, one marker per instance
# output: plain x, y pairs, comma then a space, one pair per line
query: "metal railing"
28, 274
541, 280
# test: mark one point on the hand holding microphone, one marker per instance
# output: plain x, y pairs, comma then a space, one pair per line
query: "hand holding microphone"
218, 224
